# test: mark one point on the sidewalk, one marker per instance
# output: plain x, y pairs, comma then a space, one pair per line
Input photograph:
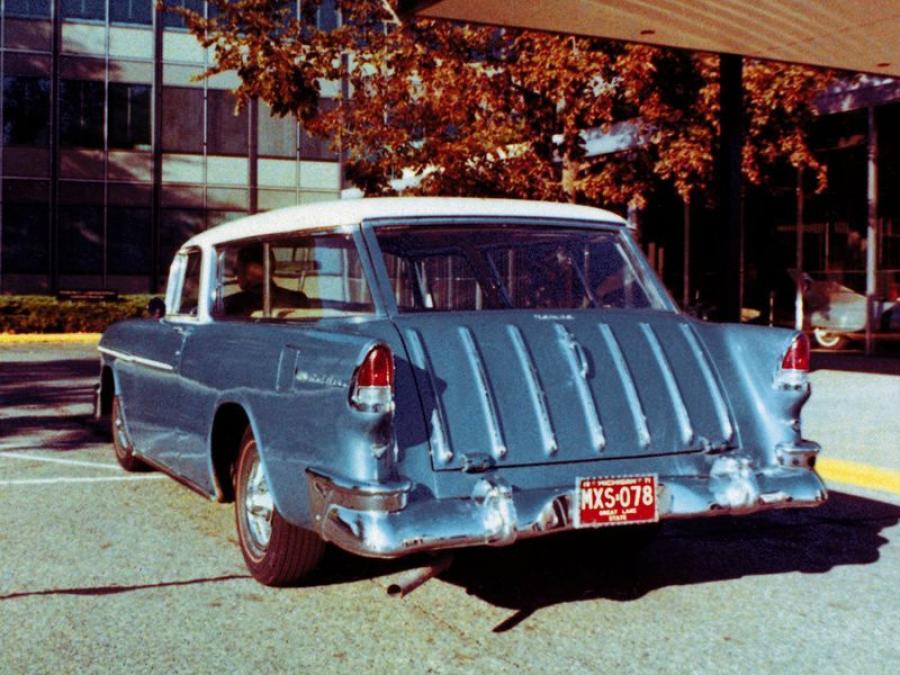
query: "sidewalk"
49, 338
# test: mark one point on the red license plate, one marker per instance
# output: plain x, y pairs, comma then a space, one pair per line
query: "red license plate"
616, 500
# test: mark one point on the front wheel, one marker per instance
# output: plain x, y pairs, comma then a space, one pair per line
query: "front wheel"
277, 553
829, 340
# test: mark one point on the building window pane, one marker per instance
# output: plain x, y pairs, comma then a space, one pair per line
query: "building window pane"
215, 218
38, 8
227, 133
327, 18
172, 20
128, 240
314, 147
129, 115
182, 127
277, 135
277, 5
84, 9
81, 240
26, 111
81, 113
323, 14
131, 11
26, 233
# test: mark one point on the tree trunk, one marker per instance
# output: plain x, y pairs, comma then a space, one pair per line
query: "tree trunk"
569, 174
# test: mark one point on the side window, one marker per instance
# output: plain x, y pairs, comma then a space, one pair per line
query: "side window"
189, 298
310, 277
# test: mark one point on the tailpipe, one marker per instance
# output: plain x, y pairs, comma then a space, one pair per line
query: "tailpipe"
410, 580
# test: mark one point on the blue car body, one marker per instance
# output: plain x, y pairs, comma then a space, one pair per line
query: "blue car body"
494, 413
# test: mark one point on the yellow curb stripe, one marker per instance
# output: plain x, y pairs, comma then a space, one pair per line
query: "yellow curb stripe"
861, 475
54, 338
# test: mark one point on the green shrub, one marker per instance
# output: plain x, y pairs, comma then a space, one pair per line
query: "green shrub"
45, 314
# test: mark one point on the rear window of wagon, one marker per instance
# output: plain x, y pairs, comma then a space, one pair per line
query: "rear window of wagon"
490, 266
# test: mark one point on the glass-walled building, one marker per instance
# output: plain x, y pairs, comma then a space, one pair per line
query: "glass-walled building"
113, 152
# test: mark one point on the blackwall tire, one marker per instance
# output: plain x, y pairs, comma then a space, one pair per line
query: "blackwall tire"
121, 442
276, 552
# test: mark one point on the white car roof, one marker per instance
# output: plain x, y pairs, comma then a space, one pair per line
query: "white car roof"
353, 211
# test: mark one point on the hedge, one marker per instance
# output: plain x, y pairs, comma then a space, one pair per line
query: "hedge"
46, 314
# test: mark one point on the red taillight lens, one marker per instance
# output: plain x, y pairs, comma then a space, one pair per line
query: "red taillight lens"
797, 355
377, 369
373, 386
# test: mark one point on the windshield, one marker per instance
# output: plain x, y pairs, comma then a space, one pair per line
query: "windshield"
491, 266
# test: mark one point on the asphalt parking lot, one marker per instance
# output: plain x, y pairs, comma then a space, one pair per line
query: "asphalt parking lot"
102, 571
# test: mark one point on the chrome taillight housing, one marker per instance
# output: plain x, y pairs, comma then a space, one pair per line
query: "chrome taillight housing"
793, 373
372, 388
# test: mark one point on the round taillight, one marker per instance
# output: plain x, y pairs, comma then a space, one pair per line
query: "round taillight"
797, 355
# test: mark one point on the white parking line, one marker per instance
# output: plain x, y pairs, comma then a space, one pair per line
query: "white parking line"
57, 460
93, 479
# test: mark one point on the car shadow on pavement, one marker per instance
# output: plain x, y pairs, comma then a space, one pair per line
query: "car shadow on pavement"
16, 373
113, 590
603, 565
36, 395
64, 433
588, 565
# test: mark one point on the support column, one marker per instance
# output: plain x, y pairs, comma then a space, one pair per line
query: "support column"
727, 233
871, 230
253, 157
56, 45
156, 139
686, 259
798, 300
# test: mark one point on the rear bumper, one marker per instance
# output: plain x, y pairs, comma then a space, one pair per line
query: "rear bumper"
389, 520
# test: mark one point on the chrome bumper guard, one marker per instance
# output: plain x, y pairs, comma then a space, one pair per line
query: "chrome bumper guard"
801, 453
387, 521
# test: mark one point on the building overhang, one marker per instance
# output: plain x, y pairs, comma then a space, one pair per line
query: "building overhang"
855, 35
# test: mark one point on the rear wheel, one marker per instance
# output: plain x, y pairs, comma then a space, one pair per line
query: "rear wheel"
121, 442
828, 340
277, 553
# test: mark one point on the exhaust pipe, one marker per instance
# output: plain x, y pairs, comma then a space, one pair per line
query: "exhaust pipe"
410, 580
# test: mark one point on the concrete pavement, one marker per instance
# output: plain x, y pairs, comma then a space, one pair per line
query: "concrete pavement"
103, 573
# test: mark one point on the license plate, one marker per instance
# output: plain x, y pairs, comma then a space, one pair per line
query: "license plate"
615, 500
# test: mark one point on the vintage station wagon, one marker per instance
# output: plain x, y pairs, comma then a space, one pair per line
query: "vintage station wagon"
416, 374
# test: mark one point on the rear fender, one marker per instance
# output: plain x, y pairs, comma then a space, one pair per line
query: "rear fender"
748, 359
310, 422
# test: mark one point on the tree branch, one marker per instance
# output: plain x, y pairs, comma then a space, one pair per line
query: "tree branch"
386, 5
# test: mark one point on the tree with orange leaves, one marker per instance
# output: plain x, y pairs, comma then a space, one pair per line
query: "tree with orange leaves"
477, 110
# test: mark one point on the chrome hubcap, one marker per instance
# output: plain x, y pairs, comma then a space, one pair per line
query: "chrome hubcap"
258, 507
825, 338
